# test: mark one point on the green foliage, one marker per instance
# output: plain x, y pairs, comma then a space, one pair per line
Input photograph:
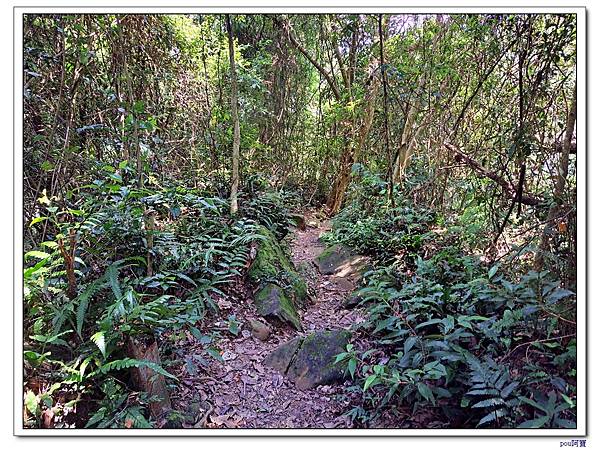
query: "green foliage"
371, 226
115, 410
123, 112
268, 208
548, 411
197, 251
450, 327
448, 333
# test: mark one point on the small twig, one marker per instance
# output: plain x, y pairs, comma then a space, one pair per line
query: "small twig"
537, 342
559, 317
202, 422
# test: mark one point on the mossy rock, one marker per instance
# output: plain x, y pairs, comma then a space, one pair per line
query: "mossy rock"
340, 260
283, 355
270, 258
352, 301
298, 220
310, 361
272, 303
272, 265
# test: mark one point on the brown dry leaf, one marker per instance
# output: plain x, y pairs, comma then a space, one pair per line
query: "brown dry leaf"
48, 418
234, 422
220, 420
562, 227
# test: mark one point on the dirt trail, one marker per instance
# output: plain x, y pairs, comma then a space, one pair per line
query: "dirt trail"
242, 392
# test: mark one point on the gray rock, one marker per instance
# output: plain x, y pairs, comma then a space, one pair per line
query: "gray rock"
260, 330
283, 355
340, 260
352, 301
298, 220
309, 361
344, 284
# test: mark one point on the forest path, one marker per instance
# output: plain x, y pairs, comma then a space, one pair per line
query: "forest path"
243, 392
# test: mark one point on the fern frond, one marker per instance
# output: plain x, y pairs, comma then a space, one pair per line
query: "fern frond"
127, 363
84, 300
494, 415
98, 339
489, 402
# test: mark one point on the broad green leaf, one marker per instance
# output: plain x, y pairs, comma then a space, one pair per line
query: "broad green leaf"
425, 391
37, 220
535, 423
369, 381
352, 367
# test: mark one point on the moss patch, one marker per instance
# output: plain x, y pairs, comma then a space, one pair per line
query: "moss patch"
272, 265
272, 302
311, 361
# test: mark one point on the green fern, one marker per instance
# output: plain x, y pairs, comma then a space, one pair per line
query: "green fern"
491, 389
110, 278
84, 300
98, 339
127, 363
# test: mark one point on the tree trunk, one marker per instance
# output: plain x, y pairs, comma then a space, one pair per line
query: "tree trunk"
145, 379
353, 150
235, 178
385, 113
563, 170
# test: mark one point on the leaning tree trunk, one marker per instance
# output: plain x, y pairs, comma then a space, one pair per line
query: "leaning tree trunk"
353, 150
235, 177
355, 141
563, 170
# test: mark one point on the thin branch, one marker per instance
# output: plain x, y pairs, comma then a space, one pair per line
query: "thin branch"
505, 185
287, 28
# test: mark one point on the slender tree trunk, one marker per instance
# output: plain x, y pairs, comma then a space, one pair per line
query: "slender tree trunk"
354, 147
235, 178
122, 66
213, 145
385, 114
563, 170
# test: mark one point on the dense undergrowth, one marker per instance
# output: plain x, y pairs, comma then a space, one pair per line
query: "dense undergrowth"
476, 343
125, 263
473, 342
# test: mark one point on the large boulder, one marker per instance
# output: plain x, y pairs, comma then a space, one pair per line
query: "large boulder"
340, 261
272, 303
272, 265
310, 361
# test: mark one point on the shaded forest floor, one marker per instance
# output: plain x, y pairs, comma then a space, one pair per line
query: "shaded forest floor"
243, 392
